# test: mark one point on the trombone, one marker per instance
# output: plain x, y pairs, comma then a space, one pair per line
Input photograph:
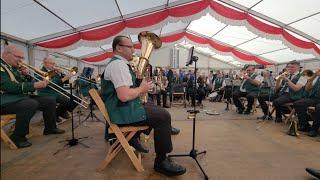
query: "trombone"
48, 76
72, 70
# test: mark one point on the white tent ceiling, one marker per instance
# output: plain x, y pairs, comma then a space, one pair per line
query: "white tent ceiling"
37, 20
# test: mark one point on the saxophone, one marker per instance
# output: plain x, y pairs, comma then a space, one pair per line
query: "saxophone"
149, 41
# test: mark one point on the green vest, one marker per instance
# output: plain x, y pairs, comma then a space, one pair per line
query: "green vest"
315, 91
49, 91
218, 83
121, 112
293, 95
14, 87
249, 87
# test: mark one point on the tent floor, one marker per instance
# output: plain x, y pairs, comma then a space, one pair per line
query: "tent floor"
235, 150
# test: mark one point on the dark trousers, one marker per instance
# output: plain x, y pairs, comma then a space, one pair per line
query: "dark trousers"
158, 119
263, 98
301, 107
164, 98
279, 102
25, 109
250, 98
64, 105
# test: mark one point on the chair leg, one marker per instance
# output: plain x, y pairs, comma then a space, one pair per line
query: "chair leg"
115, 149
7, 140
289, 118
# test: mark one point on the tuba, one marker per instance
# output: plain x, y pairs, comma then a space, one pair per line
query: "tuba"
149, 41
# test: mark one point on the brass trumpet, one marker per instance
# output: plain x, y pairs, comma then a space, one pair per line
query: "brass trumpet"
54, 86
309, 74
286, 73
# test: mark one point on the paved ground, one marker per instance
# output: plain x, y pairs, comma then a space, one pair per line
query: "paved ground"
237, 148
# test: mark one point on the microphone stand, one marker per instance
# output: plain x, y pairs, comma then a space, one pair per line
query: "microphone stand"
73, 141
192, 113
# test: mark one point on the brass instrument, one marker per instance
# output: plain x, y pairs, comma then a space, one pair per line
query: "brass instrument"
72, 70
309, 74
55, 87
149, 41
45, 75
279, 77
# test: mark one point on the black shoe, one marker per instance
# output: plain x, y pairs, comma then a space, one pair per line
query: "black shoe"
136, 144
169, 168
65, 115
240, 110
20, 142
166, 106
247, 111
53, 131
304, 128
175, 131
278, 120
314, 172
313, 133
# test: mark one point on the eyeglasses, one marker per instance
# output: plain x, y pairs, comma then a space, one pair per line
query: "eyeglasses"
16, 56
130, 47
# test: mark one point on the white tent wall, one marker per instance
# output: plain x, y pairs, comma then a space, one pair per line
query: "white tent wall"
161, 57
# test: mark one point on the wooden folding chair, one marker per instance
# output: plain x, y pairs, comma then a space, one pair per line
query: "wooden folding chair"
5, 119
123, 134
289, 118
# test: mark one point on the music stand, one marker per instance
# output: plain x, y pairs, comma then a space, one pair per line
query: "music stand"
194, 152
73, 141
91, 114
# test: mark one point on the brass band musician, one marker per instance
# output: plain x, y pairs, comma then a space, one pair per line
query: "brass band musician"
249, 89
16, 98
266, 94
161, 83
121, 94
312, 98
290, 87
65, 104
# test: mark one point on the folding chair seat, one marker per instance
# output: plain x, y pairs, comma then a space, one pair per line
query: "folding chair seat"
123, 134
5, 119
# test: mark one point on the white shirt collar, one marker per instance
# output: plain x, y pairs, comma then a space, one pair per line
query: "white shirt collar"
121, 58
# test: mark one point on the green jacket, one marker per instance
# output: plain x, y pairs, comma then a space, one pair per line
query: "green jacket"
49, 91
121, 112
249, 87
294, 95
14, 87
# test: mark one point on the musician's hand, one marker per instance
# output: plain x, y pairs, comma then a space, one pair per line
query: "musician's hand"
24, 71
40, 84
145, 85
285, 78
245, 77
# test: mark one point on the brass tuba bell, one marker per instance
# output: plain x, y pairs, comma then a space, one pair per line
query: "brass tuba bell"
149, 41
